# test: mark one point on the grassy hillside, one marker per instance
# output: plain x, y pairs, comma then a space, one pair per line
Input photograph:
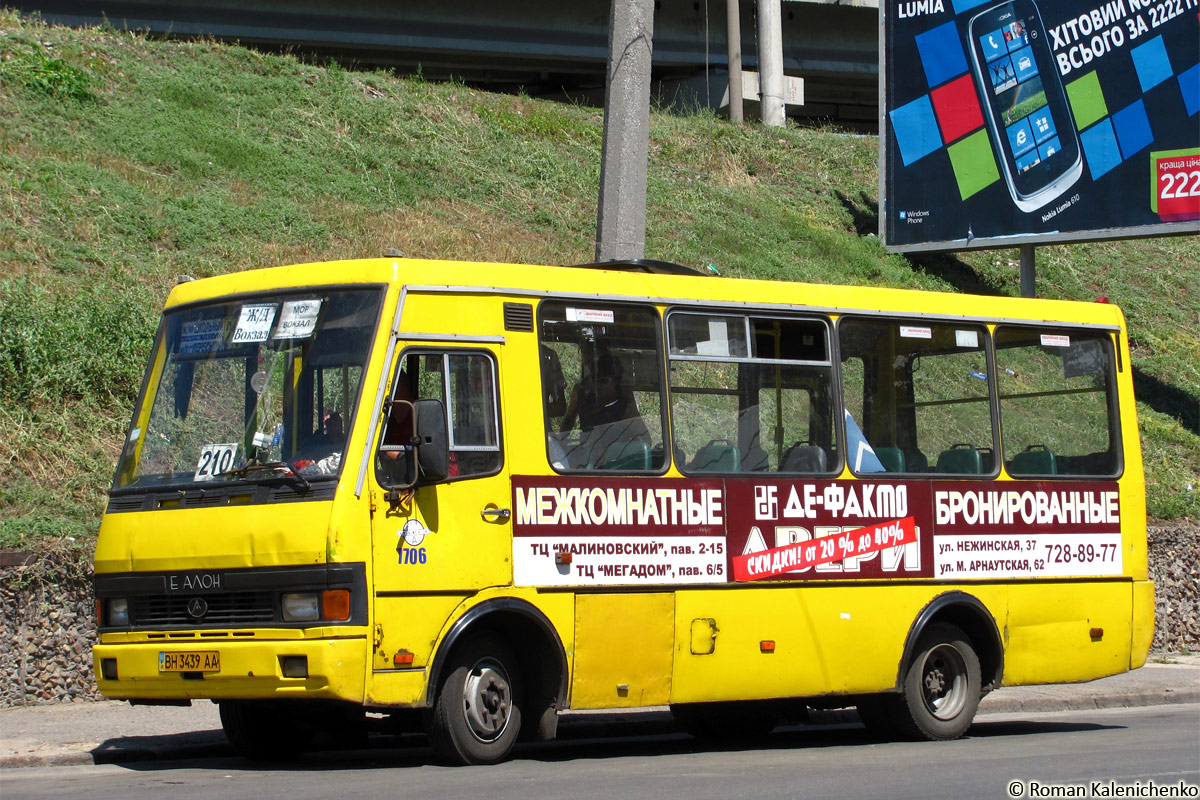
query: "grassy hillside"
126, 163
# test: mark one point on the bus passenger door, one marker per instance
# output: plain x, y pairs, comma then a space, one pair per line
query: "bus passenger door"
438, 544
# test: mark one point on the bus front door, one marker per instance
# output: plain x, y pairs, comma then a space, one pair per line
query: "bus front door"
435, 546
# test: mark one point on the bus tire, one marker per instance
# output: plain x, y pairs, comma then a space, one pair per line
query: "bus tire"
476, 715
264, 731
941, 686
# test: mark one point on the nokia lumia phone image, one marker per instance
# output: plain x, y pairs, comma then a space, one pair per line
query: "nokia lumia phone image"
1026, 108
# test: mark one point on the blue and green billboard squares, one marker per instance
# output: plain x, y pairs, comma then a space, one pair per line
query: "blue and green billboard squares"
1021, 121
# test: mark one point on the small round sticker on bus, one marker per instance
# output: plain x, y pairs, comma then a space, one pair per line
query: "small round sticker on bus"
413, 532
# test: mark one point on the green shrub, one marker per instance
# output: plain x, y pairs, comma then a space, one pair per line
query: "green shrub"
32, 69
89, 346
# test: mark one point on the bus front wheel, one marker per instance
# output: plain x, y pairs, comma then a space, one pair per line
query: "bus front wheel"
941, 685
476, 715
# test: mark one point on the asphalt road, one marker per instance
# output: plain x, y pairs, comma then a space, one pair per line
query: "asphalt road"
1131, 745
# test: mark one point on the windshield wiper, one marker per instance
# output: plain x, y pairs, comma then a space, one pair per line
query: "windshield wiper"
281, 469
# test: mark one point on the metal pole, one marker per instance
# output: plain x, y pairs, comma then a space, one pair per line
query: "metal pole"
733, 31
770, 62
621, 214
1028, 279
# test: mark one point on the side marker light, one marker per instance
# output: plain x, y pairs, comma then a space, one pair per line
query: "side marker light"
335, 603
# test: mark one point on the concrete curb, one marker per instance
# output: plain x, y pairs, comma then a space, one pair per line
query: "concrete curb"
201, 744
47, 760
998, 704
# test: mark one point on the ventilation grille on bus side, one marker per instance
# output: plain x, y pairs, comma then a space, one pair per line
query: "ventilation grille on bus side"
518, 317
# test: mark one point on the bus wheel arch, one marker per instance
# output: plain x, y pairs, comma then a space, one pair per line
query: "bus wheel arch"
941, 685
971, 616
477, 708
952, 657
536, 650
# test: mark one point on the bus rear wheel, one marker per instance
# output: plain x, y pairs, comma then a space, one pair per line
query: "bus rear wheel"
264, 731
476, 716
941, 686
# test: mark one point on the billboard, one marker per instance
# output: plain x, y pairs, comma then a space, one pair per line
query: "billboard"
1031, 121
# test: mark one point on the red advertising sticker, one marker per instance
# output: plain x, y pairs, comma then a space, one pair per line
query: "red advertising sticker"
776, 561
1177, 185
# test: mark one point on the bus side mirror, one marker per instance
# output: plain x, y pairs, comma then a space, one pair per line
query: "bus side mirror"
433, 446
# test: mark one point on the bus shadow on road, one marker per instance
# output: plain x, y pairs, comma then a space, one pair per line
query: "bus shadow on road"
576, 743
133, 750
1021, 727
788, 737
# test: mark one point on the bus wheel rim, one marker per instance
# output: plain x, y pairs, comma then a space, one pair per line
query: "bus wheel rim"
944, 682
487, 699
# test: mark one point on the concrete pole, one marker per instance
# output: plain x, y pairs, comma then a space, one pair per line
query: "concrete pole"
1028, 279
733, 31
621, 215
770, 62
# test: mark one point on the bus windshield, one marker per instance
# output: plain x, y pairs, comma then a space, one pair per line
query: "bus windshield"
253, 388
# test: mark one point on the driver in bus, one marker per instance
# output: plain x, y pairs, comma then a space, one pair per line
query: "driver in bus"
605, 409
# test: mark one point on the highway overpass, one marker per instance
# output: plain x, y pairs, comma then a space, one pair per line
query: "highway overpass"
548, 48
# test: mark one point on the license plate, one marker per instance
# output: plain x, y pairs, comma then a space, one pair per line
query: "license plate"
190, 661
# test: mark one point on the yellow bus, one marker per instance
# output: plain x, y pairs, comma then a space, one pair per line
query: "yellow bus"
472, 496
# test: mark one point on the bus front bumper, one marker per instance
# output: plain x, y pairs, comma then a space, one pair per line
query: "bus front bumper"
304, 668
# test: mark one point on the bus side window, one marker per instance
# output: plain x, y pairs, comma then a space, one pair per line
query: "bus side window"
858, 406
465, 383
1057, 404
602, 387
922, 390
751, 394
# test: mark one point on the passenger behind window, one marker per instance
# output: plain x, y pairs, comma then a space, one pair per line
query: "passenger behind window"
614, 434
321, 453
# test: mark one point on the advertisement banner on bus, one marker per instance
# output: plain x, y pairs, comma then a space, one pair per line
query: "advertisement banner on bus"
1018, 121
584, 531
628, 531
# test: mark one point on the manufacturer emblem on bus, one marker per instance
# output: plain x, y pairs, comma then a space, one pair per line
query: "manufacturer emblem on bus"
197, 607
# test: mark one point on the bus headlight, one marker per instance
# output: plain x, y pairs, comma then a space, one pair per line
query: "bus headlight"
301, 607
118, 611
